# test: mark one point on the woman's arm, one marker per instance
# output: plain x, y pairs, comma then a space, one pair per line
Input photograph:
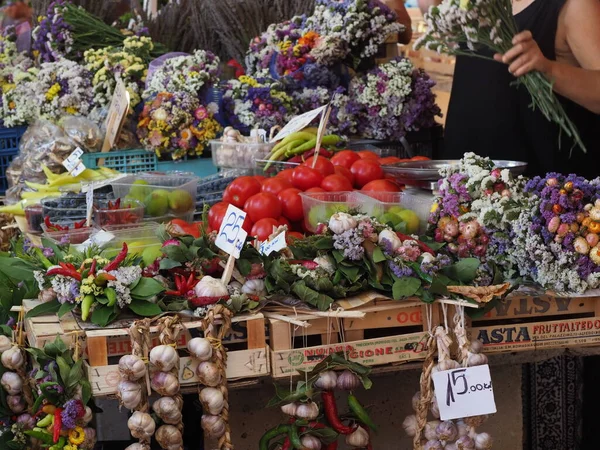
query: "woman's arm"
424, 5
398, 7
580, 84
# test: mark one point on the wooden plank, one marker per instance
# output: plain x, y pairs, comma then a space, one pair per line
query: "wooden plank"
538, 335
528, 307
256, 334
280, 335
395, 316
371, 352
354, 335
240, 364
97, 351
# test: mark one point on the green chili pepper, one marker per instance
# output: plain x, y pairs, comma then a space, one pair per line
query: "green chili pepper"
111, 294
271, 434
45, 421
295, 437
45, 261
360, 412
86, 304
59, 445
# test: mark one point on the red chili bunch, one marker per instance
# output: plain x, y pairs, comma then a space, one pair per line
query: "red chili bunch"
183, 285
118, 214
56, 227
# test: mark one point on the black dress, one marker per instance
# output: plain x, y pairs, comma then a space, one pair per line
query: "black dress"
490, 117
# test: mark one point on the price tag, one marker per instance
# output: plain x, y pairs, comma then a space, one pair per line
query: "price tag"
232, 236
464, 392
116, 115
89, 204
274, 245
262, 134
73, 163
298, 123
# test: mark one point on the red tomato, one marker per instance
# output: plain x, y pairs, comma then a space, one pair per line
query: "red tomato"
305, 177
262, 206
345, 172
276, 185
315, 189
285, 173
381, 186
260, 178
336, 183
263, 229
291, 236
389, 160
291, 204
366, 170
216, 214
345, 158
323, 165
240, 190
283, 221
420, 158
367, 154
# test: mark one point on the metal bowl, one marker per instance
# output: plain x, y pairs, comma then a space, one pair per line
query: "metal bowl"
417, 172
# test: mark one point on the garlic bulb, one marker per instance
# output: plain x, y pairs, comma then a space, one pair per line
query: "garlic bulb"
476, 359
5, 343
141, 425
450, 447
410, 425
168, 410
13, 358
138, 446
169, 437
213, 426
208, 373
327, 380
131, 367
289, 409
26, 421
433, 445
435, 409
200, 348
90, 439
447, 364
212, 400
359, 438
165, 383
463, 429
16, 403
447, 431
308, 411
347, 381
164, 357
310, 443
465, 443
210, 287
254, 287
340, 222
130, 394
483, 441
88, 416
476, 346
416, 400
390, 238
430, 431
12, 383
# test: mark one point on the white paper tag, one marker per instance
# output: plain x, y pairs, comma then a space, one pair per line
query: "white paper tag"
116, 115
262, 134
73, 163
464, 392
78, 170
101, 238
298, 123
232, 236
89, 204
278, 243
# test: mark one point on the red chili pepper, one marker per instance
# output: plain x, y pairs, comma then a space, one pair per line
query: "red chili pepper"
332, 446
331, 414
203, 301
65, 272
52, 226
424, 247
93, 268
81, 224
311, 265
57, 424
114, 264
287, 444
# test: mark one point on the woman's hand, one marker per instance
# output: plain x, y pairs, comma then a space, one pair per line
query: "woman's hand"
525, 56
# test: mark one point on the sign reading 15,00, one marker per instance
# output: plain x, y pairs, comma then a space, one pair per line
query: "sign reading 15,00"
231, 235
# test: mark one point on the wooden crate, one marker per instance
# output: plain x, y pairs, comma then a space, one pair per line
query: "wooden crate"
536, 322
399, 327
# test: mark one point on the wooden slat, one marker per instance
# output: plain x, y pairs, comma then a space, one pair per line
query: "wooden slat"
531, 307
387, 318
256, 334
280, 335
97, 351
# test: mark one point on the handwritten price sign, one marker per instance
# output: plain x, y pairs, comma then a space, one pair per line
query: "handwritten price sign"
232, 236
464, 392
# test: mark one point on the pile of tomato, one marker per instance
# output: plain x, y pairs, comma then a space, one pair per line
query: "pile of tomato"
275, 201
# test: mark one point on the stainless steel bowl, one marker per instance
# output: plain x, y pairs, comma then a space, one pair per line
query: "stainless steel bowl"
417, 172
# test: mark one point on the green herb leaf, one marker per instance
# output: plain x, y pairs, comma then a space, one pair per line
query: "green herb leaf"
146, 288
86, 391
310, 296
177, 253
464, 270
405, 287
378, 255
244, 266
166, 264
438, 286
144, 308
45, 309
66, 308
103, 315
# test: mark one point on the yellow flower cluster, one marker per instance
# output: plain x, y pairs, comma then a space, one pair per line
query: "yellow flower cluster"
245, 79
53, 92
76, 436
70, 447
88, 287
284, 46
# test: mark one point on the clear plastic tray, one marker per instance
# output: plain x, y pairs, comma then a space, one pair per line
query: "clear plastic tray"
275, 167
141, 239
320, 206
72, 236
237, 155
131, 211
144, 186
408, 211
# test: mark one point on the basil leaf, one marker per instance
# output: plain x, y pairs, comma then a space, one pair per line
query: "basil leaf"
66, 308
144, 308
378, 255
45, 309
405, 287
464, 270
166, 264
147, 287
103, 315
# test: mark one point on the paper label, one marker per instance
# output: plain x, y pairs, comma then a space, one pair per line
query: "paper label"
89, 204
464, 392
298, 123
232, 236
276, 244
262, 134
73, 163
116, 115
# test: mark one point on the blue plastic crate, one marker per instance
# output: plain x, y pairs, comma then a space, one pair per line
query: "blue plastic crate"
9, 148
124, 161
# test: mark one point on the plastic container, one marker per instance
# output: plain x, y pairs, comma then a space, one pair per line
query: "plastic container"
35, 217
107, 214
275, 167
9, 148
141, 240
320, 206
164, 196
71, 236
236, 155
69, 208
124, 161
406, 211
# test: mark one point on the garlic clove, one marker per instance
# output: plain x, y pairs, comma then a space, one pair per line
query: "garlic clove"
208, 373
476, 346
465, 443
165, 383
358, 438
430, 431
446, 431
13, 358
169, 437
12, 383
129, 393
483, 441
213, 426
164, 357
132, 367
476, 359
16, 403
327, 380
212, 400
348, 381
200, 348
5, 343
310, 443
141, 425
308, 411
289, 409
168, 410
433, 445
410, 425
